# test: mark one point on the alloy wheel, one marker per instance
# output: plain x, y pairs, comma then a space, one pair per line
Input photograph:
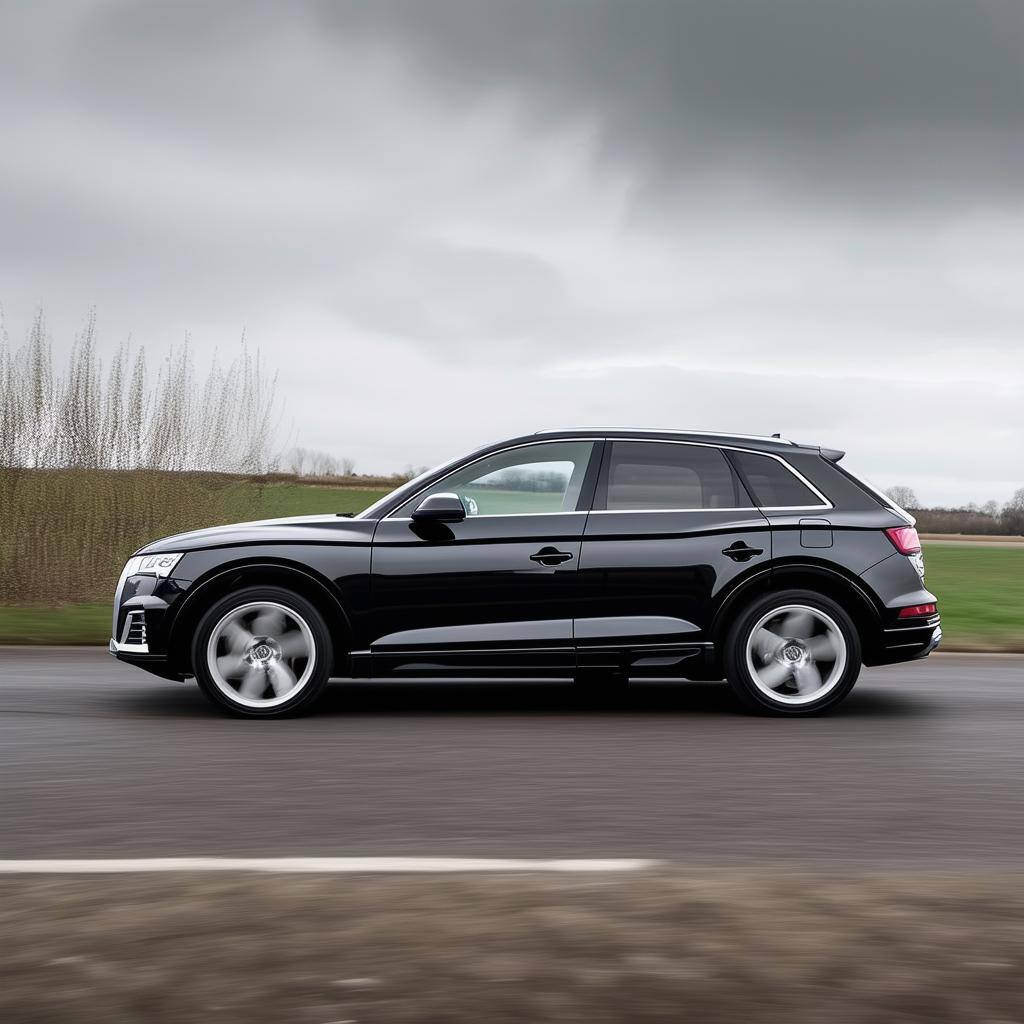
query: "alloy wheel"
796, 654
261, 654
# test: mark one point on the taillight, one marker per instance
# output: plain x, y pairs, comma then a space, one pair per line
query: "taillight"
916, 611
904, 539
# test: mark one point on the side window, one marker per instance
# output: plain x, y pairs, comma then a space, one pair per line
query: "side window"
657, 475
773, 484
536, 478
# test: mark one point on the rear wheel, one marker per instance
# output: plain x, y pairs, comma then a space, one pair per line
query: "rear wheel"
794, 652
262, 652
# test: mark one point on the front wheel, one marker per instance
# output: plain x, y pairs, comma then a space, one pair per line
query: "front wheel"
262, 652
793, 653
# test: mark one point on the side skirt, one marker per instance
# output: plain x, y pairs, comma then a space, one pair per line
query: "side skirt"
637, 662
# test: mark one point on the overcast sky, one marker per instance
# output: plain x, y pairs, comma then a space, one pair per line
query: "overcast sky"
448, 222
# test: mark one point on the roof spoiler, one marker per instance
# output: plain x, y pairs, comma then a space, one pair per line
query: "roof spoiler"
832, 454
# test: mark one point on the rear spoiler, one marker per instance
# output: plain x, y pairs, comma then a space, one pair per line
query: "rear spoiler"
832, 454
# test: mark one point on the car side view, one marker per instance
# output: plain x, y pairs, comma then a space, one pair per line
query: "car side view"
596, 556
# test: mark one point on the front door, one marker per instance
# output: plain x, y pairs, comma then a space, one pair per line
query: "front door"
672, 528
493, 595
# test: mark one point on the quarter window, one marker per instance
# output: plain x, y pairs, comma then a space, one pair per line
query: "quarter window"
774, 485
538, 478
653, 475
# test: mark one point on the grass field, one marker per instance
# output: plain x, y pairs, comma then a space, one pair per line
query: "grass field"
270, 501
981, 594
980, 587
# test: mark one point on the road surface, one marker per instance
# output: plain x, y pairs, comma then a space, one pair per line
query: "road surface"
922, 767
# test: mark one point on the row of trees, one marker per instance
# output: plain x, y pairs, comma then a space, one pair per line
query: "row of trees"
312, 462
98, 457
122, 416
990, 518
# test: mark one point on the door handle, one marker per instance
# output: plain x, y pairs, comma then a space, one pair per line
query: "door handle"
741, 551
550, 556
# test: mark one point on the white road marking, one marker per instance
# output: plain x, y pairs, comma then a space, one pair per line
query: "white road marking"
328, 865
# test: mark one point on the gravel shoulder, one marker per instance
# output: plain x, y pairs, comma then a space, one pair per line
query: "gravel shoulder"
667, 945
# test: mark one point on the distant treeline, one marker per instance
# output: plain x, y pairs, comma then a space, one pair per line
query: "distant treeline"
990, 518
1009, 522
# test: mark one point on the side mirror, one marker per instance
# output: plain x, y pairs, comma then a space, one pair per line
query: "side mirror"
440, 508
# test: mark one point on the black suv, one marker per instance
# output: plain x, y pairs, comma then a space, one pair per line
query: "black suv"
594, 556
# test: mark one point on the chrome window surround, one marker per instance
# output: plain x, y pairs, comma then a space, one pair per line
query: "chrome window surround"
473, 462
825, 503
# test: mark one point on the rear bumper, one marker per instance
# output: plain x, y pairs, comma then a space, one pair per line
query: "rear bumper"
897, 584
906, 643
933, 643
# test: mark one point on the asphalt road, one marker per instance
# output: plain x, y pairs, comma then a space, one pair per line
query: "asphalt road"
923, 766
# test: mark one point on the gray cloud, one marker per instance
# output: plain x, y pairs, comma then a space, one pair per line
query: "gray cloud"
896, 100
501, 215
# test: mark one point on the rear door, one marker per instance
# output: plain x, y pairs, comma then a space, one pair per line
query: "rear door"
672, 528
493, 595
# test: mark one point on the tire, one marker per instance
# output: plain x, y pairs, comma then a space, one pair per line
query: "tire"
262, 652
792, 652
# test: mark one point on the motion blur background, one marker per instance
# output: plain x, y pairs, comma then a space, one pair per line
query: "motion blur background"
793, 216
439, 224
261, 259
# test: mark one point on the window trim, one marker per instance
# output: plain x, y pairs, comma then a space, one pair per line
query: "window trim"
602, 445
605, 475
826, 504
596, 453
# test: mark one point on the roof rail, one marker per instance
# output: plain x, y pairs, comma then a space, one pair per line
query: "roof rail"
670, 430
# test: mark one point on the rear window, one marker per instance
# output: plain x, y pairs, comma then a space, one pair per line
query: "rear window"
773, 484
650, 475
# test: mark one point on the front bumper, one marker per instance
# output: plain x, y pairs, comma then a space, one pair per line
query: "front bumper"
142, 620
158, 664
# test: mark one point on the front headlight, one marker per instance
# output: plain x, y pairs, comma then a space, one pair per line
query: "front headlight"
160, 566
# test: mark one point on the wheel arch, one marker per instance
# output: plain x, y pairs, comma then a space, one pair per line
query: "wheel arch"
224, 579
843, 589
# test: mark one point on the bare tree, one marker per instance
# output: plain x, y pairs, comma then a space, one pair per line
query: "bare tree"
116, 417
903, 496
411, 472
295, 460
322, 464
116, 457
1013, 513
313, 462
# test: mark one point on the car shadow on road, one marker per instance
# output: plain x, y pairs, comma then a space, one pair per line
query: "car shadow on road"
682, 698
346, 698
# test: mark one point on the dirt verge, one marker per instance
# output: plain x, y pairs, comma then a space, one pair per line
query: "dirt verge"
662, 946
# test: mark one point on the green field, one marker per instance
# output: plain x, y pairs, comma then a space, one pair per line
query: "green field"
980, 588
981, 594
89, 623
270, 501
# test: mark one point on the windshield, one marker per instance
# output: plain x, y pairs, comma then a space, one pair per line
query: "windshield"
408, 487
